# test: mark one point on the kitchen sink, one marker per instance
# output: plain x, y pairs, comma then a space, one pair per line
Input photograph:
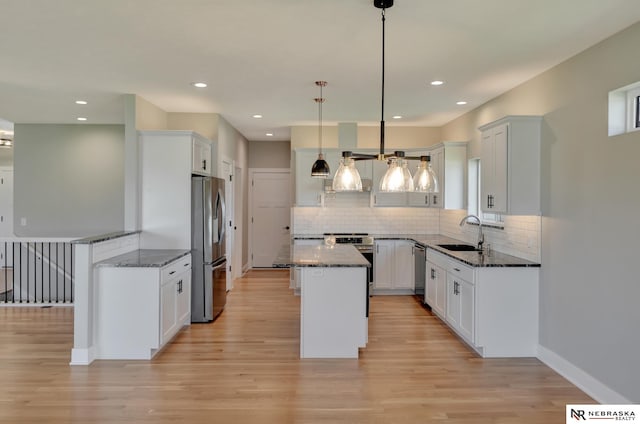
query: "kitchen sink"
459, 247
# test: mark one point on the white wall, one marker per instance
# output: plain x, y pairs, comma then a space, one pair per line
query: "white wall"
368, 137
68, 179
269, 154
590, 287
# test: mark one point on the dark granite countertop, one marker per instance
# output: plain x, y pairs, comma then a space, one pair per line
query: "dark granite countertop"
476, 259
431, 241
104, 237
319, 256
144, 258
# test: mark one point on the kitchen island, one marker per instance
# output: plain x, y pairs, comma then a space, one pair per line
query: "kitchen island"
334, 296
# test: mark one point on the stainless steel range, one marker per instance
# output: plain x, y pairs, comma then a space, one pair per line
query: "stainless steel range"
364, 243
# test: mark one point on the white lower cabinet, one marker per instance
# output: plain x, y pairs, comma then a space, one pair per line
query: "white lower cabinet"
460, 307
436, 283
493, 309
140, 309
393, 267
175, 299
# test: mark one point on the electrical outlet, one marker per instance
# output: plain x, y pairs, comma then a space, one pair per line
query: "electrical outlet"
23, 221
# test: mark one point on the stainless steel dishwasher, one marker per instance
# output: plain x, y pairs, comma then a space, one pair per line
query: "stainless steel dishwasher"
420, 260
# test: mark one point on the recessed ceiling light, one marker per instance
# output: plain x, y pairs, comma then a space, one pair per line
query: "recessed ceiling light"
437, 82
269, 134
462, 102
199, 84
81, 102
257, 116
81, 119
397, 117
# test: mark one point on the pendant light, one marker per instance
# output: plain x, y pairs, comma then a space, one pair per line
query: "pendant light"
320, 168
347, 177
398, 177
425, 179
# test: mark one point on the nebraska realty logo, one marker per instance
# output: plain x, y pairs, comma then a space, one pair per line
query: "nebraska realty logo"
578, 413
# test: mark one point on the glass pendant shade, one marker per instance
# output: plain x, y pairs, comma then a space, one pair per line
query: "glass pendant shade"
397, 178
320, 168
347, 177
425, 179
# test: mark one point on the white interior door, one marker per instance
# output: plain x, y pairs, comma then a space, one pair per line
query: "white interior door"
227, 174
238, 229
6, 202
270, 215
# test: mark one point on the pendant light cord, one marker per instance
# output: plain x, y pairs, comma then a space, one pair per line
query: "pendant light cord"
320, 100
320, 118
382, 100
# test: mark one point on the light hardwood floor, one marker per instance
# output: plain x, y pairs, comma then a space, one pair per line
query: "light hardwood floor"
244, 368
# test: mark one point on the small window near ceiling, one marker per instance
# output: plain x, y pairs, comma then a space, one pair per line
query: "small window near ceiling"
624, 109
474, 208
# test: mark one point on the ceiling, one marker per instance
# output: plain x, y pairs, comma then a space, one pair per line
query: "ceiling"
262, 57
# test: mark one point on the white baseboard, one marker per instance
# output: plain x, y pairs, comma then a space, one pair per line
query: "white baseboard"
585, 382
82, 356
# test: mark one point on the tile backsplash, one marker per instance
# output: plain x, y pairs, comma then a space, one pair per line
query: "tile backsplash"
520, 236
310, 220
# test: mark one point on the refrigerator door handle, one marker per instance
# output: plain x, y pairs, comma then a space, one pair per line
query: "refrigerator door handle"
209, 224
220, 217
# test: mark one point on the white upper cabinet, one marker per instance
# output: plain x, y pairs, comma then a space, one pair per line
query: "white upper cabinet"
308, 189
510, 164
449, 162
200, 155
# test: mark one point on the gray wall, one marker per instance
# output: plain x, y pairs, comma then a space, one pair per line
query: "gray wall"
590, 287
68, 179
6, 156
269, 154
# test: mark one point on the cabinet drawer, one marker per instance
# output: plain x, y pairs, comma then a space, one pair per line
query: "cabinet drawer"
437, 258
461, 271
175, 268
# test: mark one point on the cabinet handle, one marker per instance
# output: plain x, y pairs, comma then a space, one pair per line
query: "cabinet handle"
435, 199
172, 272
433, 274
490, 201
456, 288
204, 164
186, 264
456, 269
426, 199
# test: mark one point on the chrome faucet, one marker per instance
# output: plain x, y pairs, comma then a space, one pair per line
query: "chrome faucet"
480, 235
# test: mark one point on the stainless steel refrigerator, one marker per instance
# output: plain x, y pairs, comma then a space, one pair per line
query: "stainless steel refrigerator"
209, 262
